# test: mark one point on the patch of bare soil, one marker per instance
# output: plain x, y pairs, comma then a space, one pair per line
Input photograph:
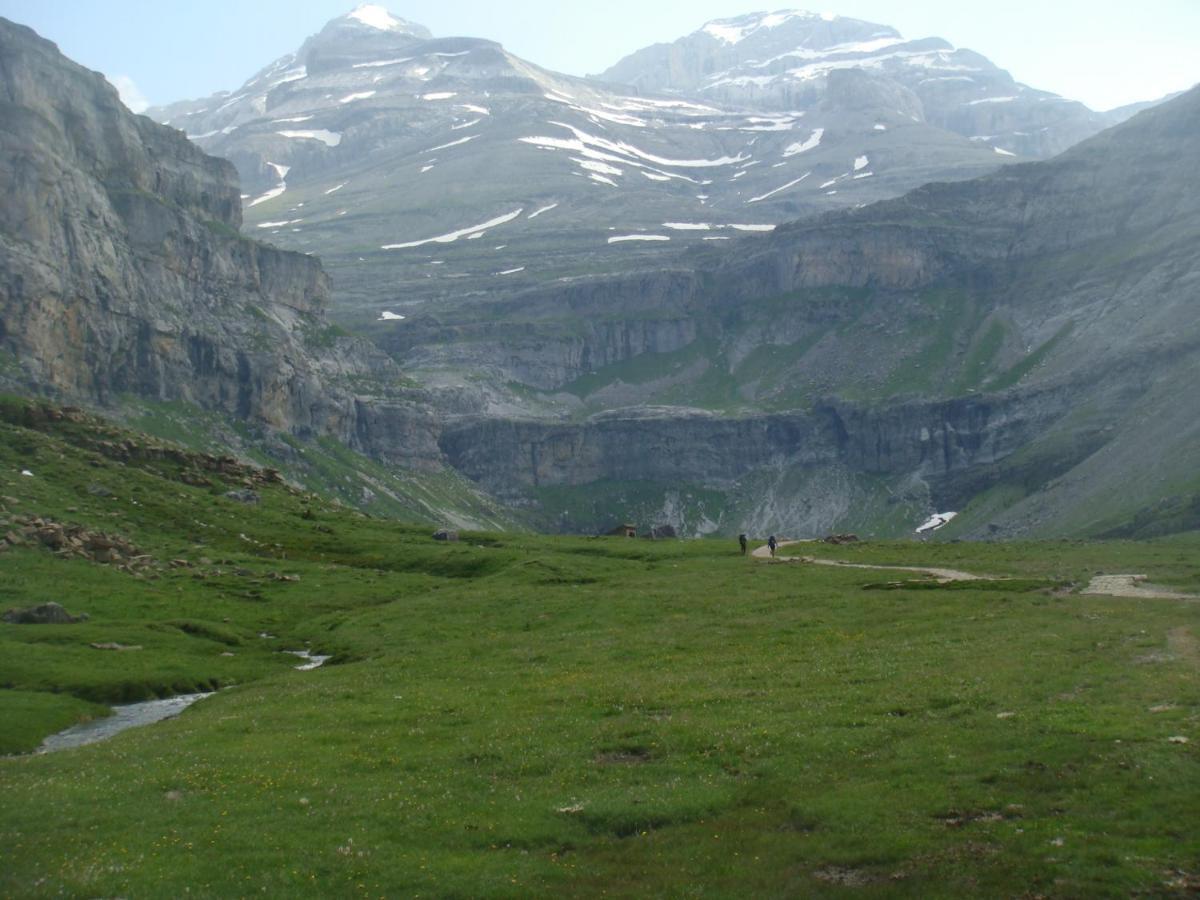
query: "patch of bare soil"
1131, 586
1184, 646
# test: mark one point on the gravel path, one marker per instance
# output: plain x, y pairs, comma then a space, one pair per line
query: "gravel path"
939, 574
1102, 585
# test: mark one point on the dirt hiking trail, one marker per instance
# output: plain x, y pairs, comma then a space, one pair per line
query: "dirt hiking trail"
1132, 586
939, 574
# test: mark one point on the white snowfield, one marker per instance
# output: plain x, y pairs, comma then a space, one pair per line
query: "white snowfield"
594, 166
362, 95
328, 138
734, 31
992, 100
481, 110
637, 237
708, 226
814, 140
277, 191
617, 118
544, 209
939, 521
462, 232
511, 271
457, 143
440, 95
379, 18
850, 57
604, 150
379, 64
779, 190
297, 74
390, 317
861, 163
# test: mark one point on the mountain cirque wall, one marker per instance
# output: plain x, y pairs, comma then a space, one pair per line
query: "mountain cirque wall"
122, 271
1053, 302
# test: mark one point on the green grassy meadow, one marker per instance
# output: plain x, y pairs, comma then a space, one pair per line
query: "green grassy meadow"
515, 715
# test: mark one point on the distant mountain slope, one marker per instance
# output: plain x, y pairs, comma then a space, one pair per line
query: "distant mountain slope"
1020, 348
429, 169
794, 59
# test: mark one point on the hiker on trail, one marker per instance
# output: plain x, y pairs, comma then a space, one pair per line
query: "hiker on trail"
772, 543
742, 542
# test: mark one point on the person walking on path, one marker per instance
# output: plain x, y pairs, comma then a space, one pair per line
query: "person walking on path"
772, 543
743, 543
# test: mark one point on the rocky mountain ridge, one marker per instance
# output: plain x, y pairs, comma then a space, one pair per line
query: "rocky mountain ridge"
793, 59
426, 170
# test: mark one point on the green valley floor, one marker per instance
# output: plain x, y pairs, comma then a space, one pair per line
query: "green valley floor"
515, 715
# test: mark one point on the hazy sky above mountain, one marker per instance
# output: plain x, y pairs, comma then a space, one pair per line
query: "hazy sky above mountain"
170, 50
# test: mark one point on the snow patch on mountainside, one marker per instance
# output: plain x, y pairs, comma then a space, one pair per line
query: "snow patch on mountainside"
779, 190
328, 138
457, 143
814, 140
455, 235
734, 31
637, 237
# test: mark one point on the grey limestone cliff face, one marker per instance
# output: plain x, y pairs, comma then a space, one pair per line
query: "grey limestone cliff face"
931, 440
1011, 331
122, 271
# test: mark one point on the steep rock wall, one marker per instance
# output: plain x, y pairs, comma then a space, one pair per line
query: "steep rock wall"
122, 272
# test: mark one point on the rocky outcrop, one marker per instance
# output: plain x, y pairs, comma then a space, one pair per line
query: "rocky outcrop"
45, 614
73, 541
122, 272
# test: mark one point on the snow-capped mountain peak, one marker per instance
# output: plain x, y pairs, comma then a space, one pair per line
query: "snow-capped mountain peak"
379, 18
736, 30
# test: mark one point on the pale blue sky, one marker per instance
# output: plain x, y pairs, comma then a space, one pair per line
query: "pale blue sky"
1103, 54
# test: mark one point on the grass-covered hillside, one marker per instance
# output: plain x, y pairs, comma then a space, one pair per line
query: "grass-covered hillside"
513, 715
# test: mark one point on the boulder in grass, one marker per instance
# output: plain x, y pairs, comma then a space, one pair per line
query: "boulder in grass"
250, 498
45, 614
445, 535
842, 539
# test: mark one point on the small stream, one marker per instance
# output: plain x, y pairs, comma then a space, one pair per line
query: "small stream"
134, 715
123, 718
311, 660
